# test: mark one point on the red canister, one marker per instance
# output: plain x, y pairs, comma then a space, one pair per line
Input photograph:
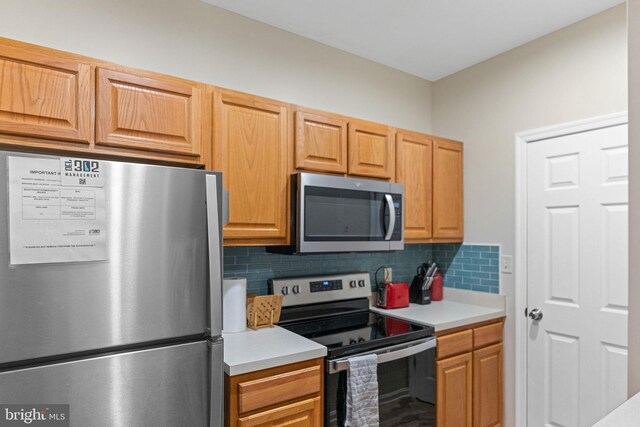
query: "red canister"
436, 287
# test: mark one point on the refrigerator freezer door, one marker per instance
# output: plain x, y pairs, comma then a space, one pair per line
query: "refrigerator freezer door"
216, 405
161, 387
153, 286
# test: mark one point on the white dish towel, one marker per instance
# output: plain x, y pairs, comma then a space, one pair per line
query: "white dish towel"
362, 392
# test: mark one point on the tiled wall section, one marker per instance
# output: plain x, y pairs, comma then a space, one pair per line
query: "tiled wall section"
472, 267
258, 266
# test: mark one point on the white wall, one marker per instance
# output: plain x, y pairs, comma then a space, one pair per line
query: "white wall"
634, 194
194, 40
577, 72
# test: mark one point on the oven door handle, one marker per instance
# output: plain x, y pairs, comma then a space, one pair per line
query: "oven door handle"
387, 354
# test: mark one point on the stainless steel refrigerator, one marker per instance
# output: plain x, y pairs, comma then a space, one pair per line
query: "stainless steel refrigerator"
133, 339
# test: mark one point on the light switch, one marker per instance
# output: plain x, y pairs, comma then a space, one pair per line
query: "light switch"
506, 264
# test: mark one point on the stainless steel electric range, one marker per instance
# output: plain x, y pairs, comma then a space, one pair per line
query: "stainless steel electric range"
334, 311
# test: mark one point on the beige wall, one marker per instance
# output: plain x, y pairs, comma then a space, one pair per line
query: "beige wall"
194, 40
575, 73
634, 194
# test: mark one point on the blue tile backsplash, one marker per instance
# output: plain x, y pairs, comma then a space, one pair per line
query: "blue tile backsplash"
474, 267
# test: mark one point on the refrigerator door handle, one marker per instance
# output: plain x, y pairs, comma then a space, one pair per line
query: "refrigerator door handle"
215, 258
216, 408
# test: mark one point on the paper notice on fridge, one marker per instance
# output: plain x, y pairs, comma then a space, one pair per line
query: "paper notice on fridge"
49, 221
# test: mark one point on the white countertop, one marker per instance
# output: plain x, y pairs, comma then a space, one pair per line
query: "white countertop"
458, 308
265, 348
625, 415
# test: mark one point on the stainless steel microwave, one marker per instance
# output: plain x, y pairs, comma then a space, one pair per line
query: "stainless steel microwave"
338, 214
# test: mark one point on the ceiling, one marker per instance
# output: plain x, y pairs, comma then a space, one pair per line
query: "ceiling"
427, 38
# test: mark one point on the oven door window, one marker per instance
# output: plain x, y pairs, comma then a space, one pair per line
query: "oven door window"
406, 392
334, 215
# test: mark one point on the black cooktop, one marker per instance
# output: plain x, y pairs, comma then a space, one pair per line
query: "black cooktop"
356, 331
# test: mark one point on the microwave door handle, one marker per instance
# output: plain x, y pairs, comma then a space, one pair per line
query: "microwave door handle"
392, 216
385, 356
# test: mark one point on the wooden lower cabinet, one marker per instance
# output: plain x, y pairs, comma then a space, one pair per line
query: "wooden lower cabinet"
454, 396
487, 386
469, 377
289, 395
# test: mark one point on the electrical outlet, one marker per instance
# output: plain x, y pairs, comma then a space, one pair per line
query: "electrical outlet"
506, 264
388, 274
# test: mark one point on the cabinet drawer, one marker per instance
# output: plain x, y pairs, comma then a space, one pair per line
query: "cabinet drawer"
451, 344
264, 392
489, 334
303, 413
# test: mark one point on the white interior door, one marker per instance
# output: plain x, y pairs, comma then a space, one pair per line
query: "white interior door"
577, 276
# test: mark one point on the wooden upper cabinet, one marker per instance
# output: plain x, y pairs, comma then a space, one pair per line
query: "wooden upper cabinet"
252, 149
44, 95
148, 113
414, 167
371, 150
448, 190
320, 142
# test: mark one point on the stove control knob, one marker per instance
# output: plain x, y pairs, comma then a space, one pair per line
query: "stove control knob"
360, 339
361, 283
352, 341
296, 289
285, 290
352, 283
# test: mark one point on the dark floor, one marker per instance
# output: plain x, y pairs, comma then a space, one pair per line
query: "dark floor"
407, 412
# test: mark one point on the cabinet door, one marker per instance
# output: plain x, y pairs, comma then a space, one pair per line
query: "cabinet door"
371, 151
487, 386
454, 388
306, 413
45, 96
448, 208
153, 114
414, 169
251, 148
321, 142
